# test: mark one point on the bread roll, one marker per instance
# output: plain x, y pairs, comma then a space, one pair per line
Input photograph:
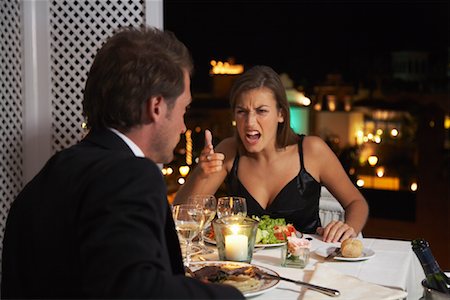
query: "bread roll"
351, 248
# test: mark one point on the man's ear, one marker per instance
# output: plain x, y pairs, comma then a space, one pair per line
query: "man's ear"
155, 108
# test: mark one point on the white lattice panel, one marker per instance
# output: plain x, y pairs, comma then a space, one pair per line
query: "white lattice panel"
77, 30
11, 93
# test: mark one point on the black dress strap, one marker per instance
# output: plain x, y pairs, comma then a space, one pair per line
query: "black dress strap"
300, 151
233, 184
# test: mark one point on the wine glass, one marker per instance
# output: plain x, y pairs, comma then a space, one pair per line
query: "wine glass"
209, 205
189, 219
232, 206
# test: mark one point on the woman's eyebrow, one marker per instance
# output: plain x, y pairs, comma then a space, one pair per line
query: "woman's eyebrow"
261, 106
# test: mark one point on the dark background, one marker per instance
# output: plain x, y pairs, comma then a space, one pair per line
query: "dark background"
310, 39
307, 39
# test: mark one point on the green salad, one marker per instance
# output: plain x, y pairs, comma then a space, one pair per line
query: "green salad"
265, 233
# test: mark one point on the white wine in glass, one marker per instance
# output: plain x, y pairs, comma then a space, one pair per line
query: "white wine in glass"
187, 230
189, 220
209, 205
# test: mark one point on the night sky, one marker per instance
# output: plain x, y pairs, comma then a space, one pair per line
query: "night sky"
306, 39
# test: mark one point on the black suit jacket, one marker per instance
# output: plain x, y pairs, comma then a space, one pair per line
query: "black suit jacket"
95, 223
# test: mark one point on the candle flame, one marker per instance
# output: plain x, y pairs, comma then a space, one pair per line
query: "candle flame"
234, 229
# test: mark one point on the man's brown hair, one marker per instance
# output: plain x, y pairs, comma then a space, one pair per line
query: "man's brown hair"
131, 67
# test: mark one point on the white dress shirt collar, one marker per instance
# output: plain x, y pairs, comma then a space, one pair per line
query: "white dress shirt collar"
136, 150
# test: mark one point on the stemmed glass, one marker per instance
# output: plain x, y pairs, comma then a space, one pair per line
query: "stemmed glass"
209, 205
189, 219
232, 206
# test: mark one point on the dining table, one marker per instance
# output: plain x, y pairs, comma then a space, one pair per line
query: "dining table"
391, 263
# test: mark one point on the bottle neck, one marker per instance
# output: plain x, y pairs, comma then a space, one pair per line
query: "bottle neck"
426, 258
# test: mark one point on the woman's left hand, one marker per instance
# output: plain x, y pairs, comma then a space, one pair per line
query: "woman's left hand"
336, 231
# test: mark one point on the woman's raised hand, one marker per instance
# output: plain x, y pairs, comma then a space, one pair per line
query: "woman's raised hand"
210, 161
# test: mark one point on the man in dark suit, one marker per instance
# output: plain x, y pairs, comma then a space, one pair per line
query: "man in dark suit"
95, 221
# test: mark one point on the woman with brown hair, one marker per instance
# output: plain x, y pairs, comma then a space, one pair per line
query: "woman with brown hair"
279, 172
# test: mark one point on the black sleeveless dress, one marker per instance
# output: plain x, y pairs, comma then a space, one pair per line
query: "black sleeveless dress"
297, 202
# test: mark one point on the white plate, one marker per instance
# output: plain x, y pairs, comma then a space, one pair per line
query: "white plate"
269, 245
267, 284
325, 251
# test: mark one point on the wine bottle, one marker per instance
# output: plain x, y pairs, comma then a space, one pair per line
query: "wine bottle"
435, 278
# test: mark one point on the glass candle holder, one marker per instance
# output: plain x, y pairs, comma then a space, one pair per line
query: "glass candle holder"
295, 253
235, 238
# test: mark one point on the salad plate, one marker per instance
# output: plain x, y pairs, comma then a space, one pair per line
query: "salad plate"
267, 227
213, 242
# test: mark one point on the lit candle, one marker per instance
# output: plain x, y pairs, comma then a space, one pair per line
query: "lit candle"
236, 245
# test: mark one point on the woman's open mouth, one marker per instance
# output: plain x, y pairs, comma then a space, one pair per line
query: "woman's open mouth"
252, 137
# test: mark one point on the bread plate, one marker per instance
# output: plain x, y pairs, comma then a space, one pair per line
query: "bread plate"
327, 250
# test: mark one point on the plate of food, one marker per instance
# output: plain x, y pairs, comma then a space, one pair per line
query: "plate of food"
270, 233
366, 253
248, 278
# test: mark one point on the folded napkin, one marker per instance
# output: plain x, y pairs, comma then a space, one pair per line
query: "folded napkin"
349, 286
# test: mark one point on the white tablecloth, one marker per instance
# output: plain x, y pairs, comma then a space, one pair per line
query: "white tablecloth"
394, 265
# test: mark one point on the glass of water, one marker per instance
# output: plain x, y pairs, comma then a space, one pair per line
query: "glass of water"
189, 219
232, 206
209, 205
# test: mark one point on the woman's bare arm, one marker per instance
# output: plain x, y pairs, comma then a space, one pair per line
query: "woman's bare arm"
211, 170
329, 171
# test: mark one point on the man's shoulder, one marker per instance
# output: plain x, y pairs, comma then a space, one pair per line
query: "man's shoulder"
92, 159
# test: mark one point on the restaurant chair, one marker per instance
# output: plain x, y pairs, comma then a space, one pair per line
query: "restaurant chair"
330, 209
